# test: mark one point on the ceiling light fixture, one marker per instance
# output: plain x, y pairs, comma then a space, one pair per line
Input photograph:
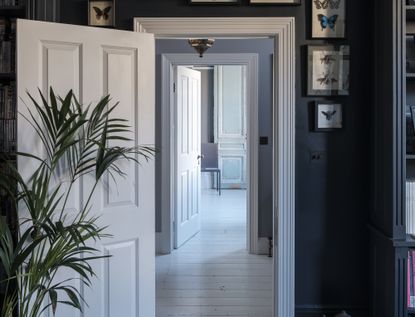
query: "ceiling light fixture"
201, 45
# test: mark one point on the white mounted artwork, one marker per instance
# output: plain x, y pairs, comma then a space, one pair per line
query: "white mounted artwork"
329, 19
328, 70
329, 116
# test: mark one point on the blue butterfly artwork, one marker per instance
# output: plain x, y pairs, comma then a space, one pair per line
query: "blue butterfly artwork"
329, 22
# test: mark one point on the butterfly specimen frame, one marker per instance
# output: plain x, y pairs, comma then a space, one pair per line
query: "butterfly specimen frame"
328, 116
329, 19
328, 70
101, 13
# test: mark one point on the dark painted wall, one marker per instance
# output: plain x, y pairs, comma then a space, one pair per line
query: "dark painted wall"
332, 195
264, 48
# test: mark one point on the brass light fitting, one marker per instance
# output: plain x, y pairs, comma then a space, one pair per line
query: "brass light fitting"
201, 45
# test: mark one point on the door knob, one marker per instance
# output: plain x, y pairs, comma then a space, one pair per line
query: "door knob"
198, 158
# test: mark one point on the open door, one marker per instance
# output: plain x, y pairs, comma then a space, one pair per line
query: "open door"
96, 62
188, 154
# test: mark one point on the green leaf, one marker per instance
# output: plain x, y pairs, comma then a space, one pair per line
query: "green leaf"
53, 295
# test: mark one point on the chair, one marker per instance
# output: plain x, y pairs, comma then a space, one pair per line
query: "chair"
210, 162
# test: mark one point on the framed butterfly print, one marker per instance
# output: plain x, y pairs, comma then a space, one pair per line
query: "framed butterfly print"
328, 70
329, 19
328, 116
101, 13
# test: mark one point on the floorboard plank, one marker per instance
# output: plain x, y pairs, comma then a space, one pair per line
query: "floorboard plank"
213, 274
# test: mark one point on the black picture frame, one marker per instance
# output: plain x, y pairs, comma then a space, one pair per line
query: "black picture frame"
213, 2
101, 18
328, 116
325, 31
275, 2
328, 77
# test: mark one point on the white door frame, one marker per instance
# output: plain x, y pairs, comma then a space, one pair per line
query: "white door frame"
165, 238
282, 29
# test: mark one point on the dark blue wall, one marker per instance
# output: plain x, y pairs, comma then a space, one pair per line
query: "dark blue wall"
332, 196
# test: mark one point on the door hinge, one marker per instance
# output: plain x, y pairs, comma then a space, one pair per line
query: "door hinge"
174, 87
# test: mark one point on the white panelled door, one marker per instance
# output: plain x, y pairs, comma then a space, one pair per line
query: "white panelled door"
188, 138
230, 123
95, 62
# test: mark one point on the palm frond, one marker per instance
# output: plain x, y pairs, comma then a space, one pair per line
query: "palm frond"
78, 141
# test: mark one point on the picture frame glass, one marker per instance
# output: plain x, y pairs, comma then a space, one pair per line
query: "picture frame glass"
275, 1
329, 19
101, 13
329, 116
328, 70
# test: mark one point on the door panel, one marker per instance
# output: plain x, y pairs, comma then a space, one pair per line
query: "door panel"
120, 78
188, 138
95, 62
230, 123
232, 167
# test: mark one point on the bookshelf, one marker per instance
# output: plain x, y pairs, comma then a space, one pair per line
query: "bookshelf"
10, 10
407, 246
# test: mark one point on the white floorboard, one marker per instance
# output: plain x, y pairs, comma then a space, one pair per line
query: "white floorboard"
213, 274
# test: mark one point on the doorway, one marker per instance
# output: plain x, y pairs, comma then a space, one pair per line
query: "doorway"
210, 135
283, 32
211, 268
166, 239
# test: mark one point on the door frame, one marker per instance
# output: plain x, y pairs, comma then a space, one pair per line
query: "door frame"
282, 29
165, 238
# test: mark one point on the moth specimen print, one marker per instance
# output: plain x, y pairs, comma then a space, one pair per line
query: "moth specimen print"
101, 13
327, 59
327, 80
328, 19
328, 116
328, 70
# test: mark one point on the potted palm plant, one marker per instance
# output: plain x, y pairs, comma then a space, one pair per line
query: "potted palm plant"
75, 139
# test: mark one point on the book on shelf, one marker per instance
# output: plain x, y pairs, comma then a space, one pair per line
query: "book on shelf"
410, 207
8, 123
9, 3
8, 101
8, 45
410, 129
411, 279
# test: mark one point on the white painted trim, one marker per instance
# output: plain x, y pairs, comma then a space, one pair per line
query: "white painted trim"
168, 62
282, 29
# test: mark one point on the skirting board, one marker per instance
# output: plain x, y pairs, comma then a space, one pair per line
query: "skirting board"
263, 246
329, 310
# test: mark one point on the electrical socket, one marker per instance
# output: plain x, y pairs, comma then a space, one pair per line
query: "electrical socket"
317, 156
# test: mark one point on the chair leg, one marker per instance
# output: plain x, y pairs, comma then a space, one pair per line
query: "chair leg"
219, 182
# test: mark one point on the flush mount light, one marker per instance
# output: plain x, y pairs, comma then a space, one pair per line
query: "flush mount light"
201, 45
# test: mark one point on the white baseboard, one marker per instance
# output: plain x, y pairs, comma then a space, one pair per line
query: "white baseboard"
263, 246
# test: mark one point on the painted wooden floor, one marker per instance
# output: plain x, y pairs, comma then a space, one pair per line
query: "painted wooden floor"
213, 274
